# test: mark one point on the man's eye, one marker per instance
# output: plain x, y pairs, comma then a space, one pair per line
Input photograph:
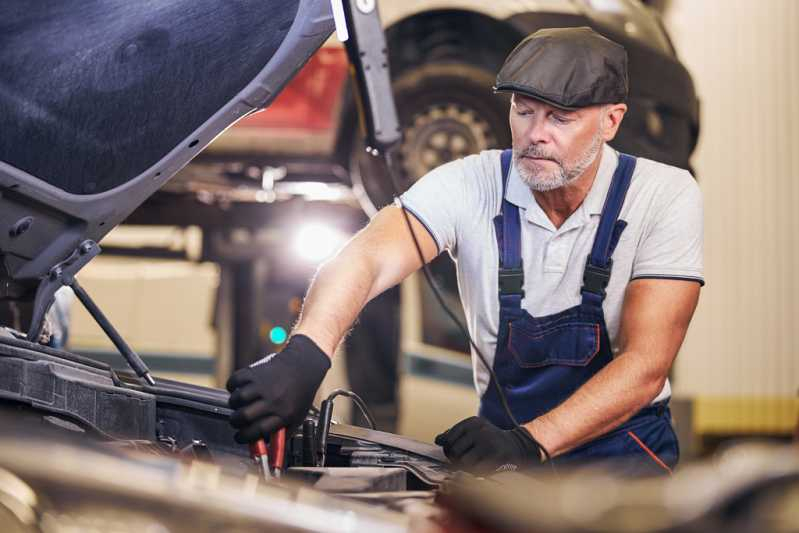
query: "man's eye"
560, 119
523, 112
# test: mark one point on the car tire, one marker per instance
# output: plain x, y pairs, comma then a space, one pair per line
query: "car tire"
447, 111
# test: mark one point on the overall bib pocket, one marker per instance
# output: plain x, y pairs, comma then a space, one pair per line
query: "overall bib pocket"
567, 344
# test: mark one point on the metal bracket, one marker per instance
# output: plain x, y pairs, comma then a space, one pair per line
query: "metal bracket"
596, 279
60, 275
511, 281
63, 274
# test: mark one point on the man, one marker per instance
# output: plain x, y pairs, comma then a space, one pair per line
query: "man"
579, 270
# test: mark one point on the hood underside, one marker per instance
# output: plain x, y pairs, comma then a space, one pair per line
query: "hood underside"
103, 102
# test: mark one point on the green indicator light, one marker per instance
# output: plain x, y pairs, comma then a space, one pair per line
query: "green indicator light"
278, 335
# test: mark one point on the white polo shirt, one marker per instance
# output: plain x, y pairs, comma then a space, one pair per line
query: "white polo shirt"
458, 201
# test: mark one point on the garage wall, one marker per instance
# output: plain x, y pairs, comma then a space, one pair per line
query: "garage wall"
741, 358
163, 309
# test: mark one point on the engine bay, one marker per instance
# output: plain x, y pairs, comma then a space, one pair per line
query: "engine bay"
87, 448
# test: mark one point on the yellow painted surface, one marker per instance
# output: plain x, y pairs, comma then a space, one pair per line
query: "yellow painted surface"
745, 415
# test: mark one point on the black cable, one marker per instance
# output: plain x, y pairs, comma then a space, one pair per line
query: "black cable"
390, 163
357, 401
325, 417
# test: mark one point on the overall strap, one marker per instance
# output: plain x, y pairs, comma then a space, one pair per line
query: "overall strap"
599, 264
509, 244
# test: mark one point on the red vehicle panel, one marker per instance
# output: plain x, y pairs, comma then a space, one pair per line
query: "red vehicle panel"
311, 100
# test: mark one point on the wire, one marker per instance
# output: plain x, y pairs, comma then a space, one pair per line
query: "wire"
357, 401
390, 163
326, 416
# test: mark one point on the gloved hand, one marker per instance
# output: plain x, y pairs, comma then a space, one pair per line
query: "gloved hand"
478, 446
276, 391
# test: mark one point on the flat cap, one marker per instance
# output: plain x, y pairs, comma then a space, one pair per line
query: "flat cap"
568, 68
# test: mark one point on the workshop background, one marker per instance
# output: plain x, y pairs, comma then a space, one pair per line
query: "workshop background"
738, 372
740, 361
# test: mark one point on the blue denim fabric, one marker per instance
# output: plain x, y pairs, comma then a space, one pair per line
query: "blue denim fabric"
541, 361
623, 455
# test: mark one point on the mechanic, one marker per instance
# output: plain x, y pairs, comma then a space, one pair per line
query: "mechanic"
579, 269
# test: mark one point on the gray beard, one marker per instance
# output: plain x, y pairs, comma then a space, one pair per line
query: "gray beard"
542, 180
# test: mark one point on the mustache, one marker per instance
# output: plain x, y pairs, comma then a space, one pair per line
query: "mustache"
538, 153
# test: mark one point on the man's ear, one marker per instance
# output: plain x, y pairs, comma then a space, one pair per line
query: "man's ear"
612, 115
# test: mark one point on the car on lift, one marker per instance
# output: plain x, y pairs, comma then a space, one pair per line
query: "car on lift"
444, 55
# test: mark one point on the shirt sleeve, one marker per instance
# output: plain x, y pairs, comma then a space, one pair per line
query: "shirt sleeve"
672, 245
441, 199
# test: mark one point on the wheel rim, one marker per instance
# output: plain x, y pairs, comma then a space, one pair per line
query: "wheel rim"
442, 133
435, 135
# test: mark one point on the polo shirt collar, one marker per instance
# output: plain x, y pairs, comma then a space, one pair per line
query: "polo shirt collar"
520, 195
595, 200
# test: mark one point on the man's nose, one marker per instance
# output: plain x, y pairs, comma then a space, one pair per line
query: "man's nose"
537, 132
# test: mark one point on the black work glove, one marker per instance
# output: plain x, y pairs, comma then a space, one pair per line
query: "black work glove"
276, 391
478, 446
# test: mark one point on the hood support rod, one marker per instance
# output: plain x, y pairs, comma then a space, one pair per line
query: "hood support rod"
63, 274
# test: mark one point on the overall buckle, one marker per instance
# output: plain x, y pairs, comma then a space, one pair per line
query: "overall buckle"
596, 279
511, 281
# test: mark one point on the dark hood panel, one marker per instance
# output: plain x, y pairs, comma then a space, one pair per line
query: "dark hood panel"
94, 93
104, 101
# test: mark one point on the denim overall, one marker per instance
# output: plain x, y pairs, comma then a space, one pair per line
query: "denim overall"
541, 361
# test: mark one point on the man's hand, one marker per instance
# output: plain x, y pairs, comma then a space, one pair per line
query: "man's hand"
276, 391
478, 446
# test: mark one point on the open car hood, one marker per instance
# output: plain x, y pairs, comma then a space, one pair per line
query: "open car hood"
103, 102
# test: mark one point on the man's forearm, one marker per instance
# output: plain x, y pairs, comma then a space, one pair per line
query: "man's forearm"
655, 319
377, 258
340, 289
605, 401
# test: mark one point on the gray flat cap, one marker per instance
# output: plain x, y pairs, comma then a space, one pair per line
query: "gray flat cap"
568, 68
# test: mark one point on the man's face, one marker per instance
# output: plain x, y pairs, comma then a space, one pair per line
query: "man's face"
553, 147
